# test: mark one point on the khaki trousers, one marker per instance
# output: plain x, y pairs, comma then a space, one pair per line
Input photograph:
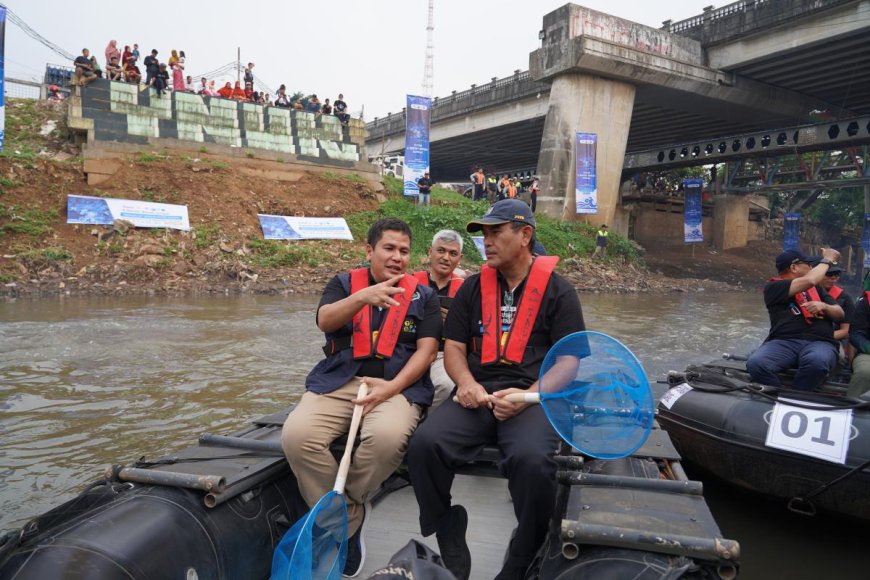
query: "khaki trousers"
318, 420
860, 382
443, 384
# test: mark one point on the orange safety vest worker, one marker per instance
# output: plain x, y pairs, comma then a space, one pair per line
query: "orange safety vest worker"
381, 342
455, 283
509, 347
478, 177
511, 190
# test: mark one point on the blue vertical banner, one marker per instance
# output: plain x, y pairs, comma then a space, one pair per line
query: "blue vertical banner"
791, 231
865, 240
586, 180
692, 226
417, 115
2, 76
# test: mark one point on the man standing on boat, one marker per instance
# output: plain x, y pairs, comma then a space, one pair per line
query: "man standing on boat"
802, 316
488, 356
382, 328
444, 277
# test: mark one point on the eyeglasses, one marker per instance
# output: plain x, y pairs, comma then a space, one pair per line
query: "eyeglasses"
832, 275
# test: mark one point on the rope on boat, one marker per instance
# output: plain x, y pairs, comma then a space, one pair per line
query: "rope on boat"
802, 504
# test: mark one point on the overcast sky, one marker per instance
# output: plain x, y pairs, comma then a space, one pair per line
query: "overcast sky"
373, 51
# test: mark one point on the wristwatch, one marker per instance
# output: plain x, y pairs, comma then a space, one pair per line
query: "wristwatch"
828, 262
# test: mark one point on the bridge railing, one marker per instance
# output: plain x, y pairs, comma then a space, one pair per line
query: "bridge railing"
710, 15
516, 86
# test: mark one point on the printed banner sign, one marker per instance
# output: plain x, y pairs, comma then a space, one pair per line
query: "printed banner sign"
83, 209
791, 232
280, 227
478, 243
2, 76
692, 226
417, 115
586, 180
865, 240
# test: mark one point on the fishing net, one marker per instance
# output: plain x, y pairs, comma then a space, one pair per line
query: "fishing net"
596, 395
316, 546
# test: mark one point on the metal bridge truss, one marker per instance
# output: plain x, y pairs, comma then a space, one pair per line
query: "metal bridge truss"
842, 135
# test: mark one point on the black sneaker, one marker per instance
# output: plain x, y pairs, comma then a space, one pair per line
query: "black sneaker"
451, 543
356, 549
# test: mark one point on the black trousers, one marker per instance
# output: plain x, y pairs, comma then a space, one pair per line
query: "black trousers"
453, 435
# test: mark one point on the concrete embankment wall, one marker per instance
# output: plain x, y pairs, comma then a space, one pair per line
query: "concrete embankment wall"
119, 117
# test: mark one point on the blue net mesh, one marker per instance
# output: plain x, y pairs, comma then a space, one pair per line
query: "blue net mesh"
316, 546
597, 395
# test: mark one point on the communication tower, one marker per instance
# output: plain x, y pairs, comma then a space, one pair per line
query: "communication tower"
428, 72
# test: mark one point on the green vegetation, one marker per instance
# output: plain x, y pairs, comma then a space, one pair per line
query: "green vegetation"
7, 278
24, 120
32, 222
6, 183
144, 157
44, 257
249, 154
206, 235
450, 210
277, 254
354, 178
217, 163
203, 149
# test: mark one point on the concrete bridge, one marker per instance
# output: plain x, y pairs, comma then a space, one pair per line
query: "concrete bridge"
750, 66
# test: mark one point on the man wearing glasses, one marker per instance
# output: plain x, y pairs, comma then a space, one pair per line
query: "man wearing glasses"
802, 316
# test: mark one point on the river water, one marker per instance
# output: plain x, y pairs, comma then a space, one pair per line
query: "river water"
85, 383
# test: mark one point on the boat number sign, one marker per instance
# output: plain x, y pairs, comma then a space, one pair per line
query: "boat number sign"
822, 433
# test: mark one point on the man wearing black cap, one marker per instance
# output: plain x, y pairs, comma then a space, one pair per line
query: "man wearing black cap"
488, 357
802, 316
844, 300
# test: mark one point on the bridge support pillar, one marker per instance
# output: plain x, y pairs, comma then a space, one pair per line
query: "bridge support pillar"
730, 221
583, 103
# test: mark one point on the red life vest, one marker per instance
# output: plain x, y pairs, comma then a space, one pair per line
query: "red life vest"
835, 292
381, 342
455, 283
801, 299
510, 346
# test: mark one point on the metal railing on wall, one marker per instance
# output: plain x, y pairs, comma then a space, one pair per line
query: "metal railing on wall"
511, 88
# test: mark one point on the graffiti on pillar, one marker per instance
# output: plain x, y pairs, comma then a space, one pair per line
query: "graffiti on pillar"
586, 22
122, 113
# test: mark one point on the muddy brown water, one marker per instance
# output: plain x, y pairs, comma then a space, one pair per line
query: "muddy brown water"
85, 383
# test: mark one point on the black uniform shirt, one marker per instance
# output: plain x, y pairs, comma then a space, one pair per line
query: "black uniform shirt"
559, 316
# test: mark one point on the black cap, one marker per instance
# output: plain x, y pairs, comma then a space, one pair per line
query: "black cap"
789, 257
832, 268
504, 211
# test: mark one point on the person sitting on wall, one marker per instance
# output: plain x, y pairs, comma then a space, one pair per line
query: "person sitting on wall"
802, 316
326, 109
340, 109
226, 91
152, 67
84, 69
132, 74
282, 99
239, 93
250, 95
161, 81
113, 70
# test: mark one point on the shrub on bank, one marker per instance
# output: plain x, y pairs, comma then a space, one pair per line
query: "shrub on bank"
450, 210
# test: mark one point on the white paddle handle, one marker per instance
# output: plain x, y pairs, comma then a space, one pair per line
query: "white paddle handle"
344, 466
516, 398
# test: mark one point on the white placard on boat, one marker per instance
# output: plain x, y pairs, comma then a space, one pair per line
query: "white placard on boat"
478, 243
84, 209
672, 395
823, 433
282, 227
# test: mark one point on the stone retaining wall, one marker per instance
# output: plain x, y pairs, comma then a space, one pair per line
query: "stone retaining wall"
120, 112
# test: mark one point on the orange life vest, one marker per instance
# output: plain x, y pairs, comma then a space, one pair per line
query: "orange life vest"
478, 178
455, 283
381, 342
510, 346
511, 191
801, 299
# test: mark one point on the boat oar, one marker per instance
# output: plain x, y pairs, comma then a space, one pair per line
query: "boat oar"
595, 394
316, 546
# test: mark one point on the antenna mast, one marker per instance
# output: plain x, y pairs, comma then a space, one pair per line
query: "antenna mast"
428, 72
